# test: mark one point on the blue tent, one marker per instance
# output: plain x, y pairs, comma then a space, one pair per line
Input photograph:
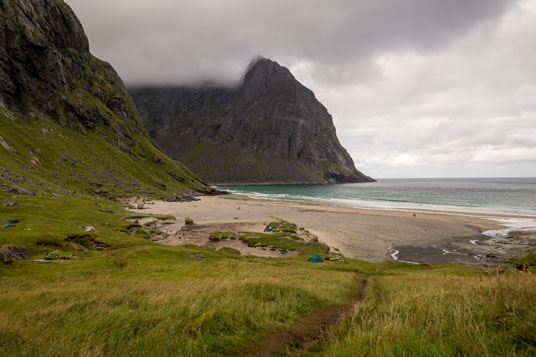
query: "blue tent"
315, 259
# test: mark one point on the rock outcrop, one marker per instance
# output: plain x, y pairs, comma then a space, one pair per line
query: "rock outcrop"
65, 116
268, 129
46, 66
10, 253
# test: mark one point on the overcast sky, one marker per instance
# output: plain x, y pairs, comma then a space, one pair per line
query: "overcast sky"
417, 88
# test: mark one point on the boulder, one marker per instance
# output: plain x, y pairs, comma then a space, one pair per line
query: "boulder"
11, 253
10, 203
20, 191
198, 256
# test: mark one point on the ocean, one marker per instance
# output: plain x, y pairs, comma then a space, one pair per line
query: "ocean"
483, 195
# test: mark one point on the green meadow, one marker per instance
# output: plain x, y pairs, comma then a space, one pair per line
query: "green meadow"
126, 295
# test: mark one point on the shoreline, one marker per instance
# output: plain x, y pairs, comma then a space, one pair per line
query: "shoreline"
371, 235
369, 205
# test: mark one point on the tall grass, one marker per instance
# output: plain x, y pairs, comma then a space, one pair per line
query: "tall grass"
430, 314
157, 301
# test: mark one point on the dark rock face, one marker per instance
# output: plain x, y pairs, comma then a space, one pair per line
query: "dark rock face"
270, 129
52, 87
46, 67
12, 253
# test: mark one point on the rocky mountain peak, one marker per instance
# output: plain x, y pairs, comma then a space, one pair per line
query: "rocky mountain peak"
270, 128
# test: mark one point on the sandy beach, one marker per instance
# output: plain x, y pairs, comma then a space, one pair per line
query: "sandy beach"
372, 235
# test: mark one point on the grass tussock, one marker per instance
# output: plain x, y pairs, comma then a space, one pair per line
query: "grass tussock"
429, 314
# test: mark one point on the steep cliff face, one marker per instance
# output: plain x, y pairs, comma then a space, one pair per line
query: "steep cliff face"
66, 115
270, 128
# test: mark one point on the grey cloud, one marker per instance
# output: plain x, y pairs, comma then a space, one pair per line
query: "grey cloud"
166, 41
417, 88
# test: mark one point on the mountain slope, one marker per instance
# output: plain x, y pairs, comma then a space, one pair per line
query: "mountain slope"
66, 120
268, 129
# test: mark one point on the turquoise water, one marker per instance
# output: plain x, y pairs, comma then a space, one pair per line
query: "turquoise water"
491, 195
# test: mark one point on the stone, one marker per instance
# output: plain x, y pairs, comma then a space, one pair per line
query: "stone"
5, 144
20, 191
12, 253
42, 261
71, 257
198, 256
10, 203
89, 229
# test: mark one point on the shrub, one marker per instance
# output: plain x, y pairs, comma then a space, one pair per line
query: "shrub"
214, 236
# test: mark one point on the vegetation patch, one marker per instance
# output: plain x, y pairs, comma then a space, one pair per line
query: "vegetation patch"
279, 236
528, 262
281, 226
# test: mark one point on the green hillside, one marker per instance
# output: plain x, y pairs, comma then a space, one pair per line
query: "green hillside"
45, 157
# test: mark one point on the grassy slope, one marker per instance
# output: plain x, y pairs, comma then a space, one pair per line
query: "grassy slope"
140, 297
442, 313
66, 159
145, 299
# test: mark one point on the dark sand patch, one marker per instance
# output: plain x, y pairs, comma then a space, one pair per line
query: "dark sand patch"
486, 253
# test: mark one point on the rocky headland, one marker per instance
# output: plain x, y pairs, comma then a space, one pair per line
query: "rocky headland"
267, 129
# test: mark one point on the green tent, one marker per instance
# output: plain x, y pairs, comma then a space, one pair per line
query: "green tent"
315, 259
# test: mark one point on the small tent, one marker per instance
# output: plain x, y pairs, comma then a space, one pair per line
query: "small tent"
315, 259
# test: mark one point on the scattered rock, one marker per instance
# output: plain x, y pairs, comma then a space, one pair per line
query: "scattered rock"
42, 261
106, 211
10, 203
101, 191
6, 146
89, 229
13, 252
184, 197
20, 191
160, 186
213, 192
85, 241
71, 257
140, 206
198, 256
